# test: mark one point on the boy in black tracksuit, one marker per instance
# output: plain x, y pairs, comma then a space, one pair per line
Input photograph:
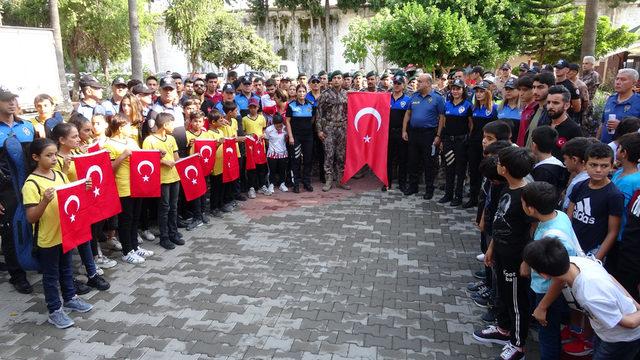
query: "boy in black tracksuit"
511, 232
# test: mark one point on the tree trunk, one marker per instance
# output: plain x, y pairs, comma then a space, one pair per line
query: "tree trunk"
590, 26
104, 63
134, 34
312, 42
327, 33
54, 18
73, 51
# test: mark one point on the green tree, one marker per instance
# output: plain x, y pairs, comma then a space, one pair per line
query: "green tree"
545, 29
29, 13
608, 39
362, 42
189, 22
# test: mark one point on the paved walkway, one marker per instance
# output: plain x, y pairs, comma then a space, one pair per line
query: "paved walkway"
358, 274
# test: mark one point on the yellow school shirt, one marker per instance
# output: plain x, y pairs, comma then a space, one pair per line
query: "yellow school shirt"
49, 233
71, 173
217, 135
116, 147
192, 136
38, 127
132, 132
254, 126
168, 175
231, 131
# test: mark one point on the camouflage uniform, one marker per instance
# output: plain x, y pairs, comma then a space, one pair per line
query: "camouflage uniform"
589, 124
332, 120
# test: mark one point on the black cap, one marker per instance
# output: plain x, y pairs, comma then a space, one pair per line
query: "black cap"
335, 73
210, 76
141, 89
6, 95
505, 66
301, 75
561, 64
90, 80
229, 88
118, 81
458, 83
285, 78
511, 83
523, 66
371, 73
246, 80
574, 67
314, 78
484, 85
398, 79
176, 76
167, 82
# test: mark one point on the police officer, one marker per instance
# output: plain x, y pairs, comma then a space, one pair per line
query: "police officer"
331, 128
386, 84
17, 129
119, 90
422, 126
372, 82
347, 80
358, 79
164, 104
397, 153
91, 91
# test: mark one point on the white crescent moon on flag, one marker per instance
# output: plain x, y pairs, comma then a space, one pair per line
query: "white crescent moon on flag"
206, 147
70, 199
229, 150
367, 111
147, 163
92, 169
190, 167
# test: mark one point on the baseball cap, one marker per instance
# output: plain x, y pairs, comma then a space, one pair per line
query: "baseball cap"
167, 82
505, 66
335, 73
246, 80
229, 88
314, 78
6, 95
118, 81
489, 78
141, 89
574, 67
90, 80
372, 73
459, 83
398, 79
253, 102
523, 66
511, 83
561, 64
286, 78
484, 85
301, 75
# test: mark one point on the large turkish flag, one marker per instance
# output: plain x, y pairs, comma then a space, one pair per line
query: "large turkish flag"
192, 177
207, 150
97, 167
144, 173
74, 207
230, 166
367, 133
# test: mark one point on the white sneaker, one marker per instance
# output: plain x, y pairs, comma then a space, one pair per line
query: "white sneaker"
113, 244
132, 258
264, 190
148, 235
140, 240
104, 262
283, 187
251, 193
270, 188
99, 271
143, 253
480, 257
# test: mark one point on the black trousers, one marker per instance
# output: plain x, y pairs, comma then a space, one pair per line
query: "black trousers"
318, 156
512, 308
454, 150
277, 170
9, 201
397, 157
128, 223
221, 193
474, 157
420, 143
302, 154
257, 176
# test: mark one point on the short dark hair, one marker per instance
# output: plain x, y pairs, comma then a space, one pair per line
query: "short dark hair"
232, 73
630, 124
478, 70
493, 148
188, 81
526, 81
599, 151
270, 82
277, 119
198, 114
630, 143
210, 76
228, 106
133, 82
547, 256
541, 195
500, 129
545, 138
47, 97
517, 161
214, 116
61, 130
560, 89
176, 76
545, 78
163, 118
576, 147
488, 168
150, 77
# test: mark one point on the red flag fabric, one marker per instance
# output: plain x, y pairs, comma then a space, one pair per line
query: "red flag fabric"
207, 150
230, 166
250, 144
259, 154
94, 147
192, 177
367, 133
145, 173
75, 214
104, 198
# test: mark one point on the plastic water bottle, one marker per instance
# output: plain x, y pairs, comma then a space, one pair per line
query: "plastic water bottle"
433, 150
611, 131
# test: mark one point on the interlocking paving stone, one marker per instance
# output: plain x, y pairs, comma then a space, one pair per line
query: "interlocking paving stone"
346, 274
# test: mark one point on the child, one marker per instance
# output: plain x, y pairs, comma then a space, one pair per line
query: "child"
47, 117
539, 201
41, 203
628, 125
254, 124
496, 130
196, 131
120, 145
548, 168
573, 158
162, 140
595, 205
230, 130
613, 314
629, 249
510, 235
217, 195
277, 155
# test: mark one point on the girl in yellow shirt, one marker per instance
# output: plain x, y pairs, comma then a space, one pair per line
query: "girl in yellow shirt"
218, 189
197, 131
41, 203
253, 125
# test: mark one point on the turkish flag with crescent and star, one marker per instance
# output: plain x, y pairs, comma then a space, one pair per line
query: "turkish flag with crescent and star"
259, 154
192, 177
74, 207
250, 144
367, 133
144, 173
230, 166
97, 167
207, 150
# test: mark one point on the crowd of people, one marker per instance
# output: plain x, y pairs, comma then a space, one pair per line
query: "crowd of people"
538, 166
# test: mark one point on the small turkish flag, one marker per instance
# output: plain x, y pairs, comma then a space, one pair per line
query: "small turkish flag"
230, 166
207, 150
75, 213
250, 144
259, 154
367, 133
145, 173
94, 147
97, 167
192, 177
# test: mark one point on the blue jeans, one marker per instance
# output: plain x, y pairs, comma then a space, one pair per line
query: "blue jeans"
603, 350
549, 336
168, 210
57, 269
86, 254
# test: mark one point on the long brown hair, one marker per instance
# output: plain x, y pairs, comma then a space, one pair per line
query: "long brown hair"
115, 123
487, 102
136, 110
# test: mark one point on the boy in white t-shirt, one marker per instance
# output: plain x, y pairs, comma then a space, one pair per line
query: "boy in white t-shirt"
612, 312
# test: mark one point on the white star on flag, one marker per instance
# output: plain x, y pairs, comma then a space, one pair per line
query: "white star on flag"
367, 138
194, 182
206, 160
72, 217
96, 192
145, 178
